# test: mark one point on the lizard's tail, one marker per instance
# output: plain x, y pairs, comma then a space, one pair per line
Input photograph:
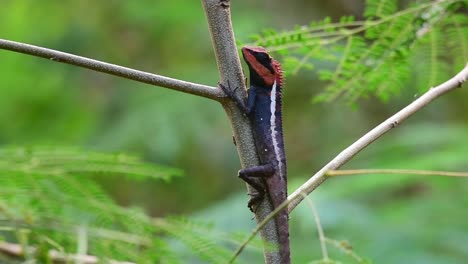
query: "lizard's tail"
283, 233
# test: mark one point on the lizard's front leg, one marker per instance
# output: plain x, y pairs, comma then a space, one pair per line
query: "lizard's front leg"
251, 176
246, 107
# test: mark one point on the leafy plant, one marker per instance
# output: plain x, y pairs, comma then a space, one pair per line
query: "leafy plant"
380, 54
49, 199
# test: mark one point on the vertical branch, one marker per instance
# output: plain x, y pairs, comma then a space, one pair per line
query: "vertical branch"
219, 20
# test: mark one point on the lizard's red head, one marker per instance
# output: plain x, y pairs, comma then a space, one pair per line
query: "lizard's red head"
264, 70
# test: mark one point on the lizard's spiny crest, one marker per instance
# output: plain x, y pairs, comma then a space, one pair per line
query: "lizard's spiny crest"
279, 72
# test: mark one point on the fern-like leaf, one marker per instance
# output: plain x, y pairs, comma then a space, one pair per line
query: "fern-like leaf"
456, 36
48, 200
380, 8
61, 160
375, 57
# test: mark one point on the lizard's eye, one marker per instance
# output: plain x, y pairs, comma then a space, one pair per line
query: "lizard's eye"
263, 58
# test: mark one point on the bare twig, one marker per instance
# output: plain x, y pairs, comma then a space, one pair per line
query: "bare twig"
346, 248
318, 178
341, 245
128, 73
82, 246
321, 235
219, 20
16, 251
396, 171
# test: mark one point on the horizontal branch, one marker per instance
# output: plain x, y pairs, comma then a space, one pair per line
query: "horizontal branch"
128, 73
318, 178
16, 251
396, 171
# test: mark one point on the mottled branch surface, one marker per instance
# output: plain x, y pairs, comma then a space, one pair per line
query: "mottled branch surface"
219, 20
128, 73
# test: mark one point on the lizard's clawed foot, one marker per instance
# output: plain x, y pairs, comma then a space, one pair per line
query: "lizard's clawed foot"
255, 199
231, 94
227, 89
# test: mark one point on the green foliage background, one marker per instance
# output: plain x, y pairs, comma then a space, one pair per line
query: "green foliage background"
387, 219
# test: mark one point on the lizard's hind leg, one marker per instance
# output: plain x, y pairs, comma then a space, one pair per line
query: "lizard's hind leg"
252, 176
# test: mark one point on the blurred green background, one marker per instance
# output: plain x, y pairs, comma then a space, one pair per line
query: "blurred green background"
388, 219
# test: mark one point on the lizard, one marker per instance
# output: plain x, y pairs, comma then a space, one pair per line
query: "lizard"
264, 109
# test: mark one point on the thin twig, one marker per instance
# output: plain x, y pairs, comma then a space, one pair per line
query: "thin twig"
82, 245
345, 247
128, 73
396, 171
320, 232
16, 251
318, 178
